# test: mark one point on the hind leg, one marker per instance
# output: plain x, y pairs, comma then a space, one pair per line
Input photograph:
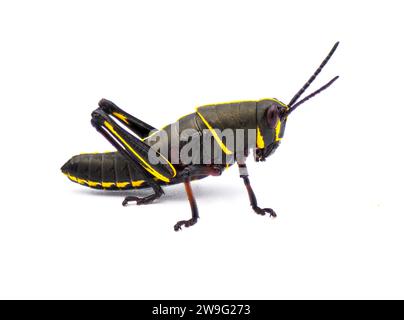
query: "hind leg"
98, 122
140, 128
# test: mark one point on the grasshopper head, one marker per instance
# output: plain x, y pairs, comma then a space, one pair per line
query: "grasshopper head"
272, 114
271, 122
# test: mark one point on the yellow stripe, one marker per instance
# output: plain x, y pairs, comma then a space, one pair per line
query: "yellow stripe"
72, 178
218, 140
121, 117
260, 139
277, 131
168, 162
136, 183
170, 165
241, 101
81, 181
107, 184
145, 164
184, 116
165, 159
93, 183
122, 184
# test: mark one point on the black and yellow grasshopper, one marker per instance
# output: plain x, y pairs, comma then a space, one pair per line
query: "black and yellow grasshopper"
155, 158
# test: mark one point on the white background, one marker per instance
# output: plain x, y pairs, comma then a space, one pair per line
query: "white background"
336, 182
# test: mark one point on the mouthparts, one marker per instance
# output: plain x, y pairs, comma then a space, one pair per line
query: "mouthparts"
262, 154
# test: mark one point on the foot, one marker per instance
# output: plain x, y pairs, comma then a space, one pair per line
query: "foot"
263, 211
185, 223
139, 201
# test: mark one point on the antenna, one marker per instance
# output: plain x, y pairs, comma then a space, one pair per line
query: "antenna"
307, 84
311, 95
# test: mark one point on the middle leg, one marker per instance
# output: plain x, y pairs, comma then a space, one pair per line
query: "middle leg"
186, 174
194, 208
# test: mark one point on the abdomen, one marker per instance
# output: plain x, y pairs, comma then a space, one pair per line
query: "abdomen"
103, 171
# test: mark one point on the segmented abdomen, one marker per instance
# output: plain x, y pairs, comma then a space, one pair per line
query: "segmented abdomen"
103, 171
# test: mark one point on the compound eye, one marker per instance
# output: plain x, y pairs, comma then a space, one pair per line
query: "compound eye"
272, 116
